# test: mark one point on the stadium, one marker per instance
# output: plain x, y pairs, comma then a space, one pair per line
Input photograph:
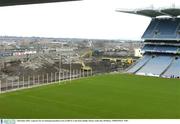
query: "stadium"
87, 95
161, 50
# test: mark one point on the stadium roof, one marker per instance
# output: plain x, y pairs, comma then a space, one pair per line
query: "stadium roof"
22, 2
173, 12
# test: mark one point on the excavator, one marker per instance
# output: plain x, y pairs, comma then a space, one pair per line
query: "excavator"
84, 67
87, 54
127, 61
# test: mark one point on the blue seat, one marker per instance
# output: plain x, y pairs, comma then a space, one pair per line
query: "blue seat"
163, 29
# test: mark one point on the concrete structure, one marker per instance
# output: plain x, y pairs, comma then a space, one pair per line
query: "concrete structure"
137, 52
161, 52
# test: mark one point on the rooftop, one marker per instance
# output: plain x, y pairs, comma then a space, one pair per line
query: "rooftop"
22, 2
153, 13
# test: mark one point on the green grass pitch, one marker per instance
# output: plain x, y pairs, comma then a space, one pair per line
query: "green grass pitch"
112, 96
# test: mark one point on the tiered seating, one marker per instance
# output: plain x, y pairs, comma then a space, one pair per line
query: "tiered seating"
139, 64
148, 48
166, 49
167, 27
160, 49
163, 29
159, 59
149, 31
156, 66
174, 69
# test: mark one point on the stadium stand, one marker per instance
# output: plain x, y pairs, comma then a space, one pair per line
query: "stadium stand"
173, 70
162, 29
138, 65
161, 50
148, 48
156, 65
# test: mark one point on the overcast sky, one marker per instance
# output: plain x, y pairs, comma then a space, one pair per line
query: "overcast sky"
82, 19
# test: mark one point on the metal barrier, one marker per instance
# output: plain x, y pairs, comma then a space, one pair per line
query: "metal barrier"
30, 81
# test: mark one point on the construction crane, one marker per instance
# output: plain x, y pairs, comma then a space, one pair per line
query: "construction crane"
87, 54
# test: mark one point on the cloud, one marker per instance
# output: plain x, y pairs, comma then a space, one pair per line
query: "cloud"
85, 19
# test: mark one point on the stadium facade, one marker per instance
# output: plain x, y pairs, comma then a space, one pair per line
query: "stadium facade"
161, 52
